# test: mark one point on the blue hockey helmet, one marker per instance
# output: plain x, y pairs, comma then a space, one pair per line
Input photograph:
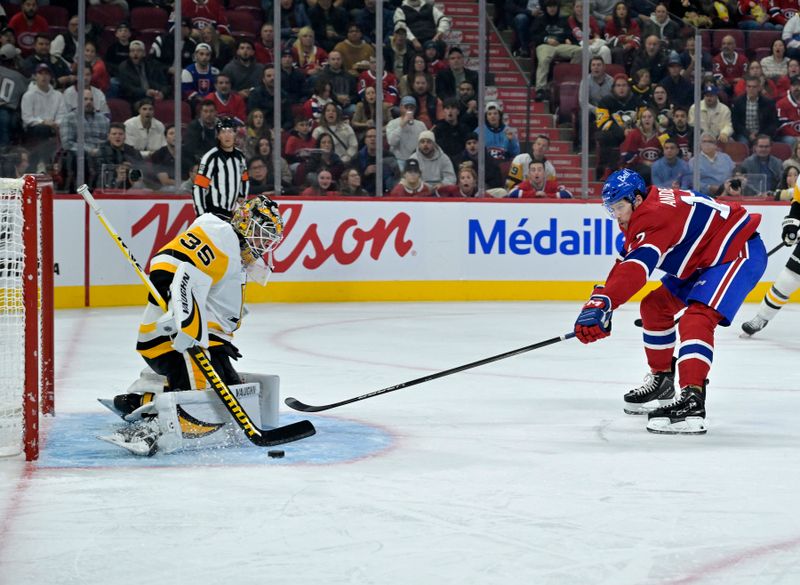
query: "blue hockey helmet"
622, 184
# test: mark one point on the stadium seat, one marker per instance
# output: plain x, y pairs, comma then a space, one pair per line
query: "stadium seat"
252, 12
105, 15
782, 150
242, 22
120, 109
145, 17
107, 38
738, 151
165, 111
240, 3
705, 38
758, 39
568, 100
54, 15
613, 69
566, 72
760, 53
147, 36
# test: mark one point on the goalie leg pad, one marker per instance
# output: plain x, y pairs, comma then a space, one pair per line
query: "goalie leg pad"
196, 419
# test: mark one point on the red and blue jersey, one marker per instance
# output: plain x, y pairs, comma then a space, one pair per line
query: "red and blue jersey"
678, 232
195, 83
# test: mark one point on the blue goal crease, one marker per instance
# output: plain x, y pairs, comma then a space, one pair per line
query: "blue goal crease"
72, 442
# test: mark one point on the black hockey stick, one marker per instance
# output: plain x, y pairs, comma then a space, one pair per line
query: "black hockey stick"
301, 406
638, 322
775, 249
259, 437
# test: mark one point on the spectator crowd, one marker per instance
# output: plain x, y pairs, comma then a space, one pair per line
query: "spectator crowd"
640, 85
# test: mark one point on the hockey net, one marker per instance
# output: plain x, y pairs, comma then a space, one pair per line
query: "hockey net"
26, 312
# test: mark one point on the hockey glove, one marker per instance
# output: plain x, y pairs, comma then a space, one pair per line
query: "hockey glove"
228, 349
594, 321
790, 226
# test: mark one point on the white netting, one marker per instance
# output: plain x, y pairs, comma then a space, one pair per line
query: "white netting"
12, 317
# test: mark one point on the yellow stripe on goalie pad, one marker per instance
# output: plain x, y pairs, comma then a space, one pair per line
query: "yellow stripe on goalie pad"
147, 327
157, 351
193, 428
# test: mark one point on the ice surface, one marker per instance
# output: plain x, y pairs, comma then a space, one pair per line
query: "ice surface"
525, 471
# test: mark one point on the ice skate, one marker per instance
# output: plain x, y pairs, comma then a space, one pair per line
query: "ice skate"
140, 438
753, 326
685, 416
131, 407
657, 387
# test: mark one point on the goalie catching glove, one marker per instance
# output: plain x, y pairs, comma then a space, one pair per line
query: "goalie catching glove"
594, 321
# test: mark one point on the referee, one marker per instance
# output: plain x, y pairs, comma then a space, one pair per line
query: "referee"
221, 179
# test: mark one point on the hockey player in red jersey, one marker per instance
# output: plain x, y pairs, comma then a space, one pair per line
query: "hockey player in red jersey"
712, 256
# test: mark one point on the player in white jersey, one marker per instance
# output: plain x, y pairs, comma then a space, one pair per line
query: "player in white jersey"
201, 274
788, 280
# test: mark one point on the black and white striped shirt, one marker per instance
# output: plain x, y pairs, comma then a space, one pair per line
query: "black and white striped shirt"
221, 180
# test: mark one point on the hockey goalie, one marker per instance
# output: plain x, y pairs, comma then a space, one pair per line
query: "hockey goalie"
201, 274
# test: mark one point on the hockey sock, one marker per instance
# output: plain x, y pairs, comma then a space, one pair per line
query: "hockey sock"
696, 350
778, 295
658, 311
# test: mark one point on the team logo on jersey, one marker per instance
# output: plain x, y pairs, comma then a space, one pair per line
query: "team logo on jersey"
651, 154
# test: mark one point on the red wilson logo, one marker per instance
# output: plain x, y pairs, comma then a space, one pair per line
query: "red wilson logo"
349, 242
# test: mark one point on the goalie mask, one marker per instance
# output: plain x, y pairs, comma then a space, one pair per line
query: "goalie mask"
260, 225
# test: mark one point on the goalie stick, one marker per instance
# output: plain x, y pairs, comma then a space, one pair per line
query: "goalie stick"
301, 406
638, 322
259, 437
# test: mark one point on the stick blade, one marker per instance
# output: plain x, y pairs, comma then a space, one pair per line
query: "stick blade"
286, 434
302, 406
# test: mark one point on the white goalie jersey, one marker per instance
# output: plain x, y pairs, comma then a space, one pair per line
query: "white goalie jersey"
201, 274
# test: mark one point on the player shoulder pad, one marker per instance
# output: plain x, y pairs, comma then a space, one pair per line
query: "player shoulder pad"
220, 231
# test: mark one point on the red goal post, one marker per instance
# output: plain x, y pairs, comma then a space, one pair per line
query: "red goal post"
26, 312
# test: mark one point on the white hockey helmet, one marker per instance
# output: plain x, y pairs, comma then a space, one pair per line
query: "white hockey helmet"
260, 224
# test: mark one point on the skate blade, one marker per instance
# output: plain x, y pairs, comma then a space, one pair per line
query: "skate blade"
693, 425
646, 407
138, 448
109, 404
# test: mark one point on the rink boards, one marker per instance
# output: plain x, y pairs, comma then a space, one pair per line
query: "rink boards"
372, 250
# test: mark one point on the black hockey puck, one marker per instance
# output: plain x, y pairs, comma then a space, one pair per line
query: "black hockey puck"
276, 453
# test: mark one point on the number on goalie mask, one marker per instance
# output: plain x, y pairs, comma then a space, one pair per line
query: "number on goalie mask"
259, 222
